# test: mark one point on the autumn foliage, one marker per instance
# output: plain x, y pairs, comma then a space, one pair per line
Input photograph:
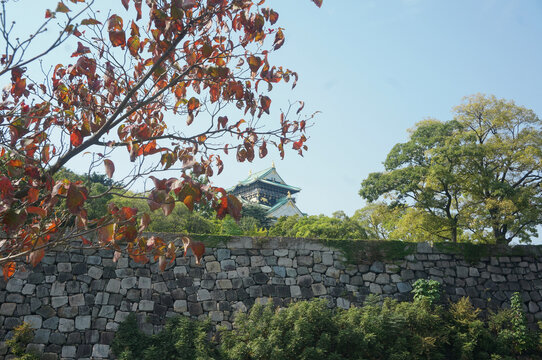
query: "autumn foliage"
130, 78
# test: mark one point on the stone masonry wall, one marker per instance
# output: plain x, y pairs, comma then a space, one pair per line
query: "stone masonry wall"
76, 300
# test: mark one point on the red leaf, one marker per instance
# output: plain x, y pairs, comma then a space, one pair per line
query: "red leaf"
6, 188
75, 198
36, 210
33, 194
301, 107
8, 269
263, 150
273, 17
318, 2
265, 103
125, 3
35, 257
222, 121
85, 241
81, 50
109, 168
76, 138
137, 4
117, 38
48, 14
234, 207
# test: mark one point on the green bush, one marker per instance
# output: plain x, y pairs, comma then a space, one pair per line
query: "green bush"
303, 330
509, 327
380, 329
181, 339
427, 289
22, 336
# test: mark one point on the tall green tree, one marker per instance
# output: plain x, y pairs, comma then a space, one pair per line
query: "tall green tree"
422, 173
476, 177
502, 163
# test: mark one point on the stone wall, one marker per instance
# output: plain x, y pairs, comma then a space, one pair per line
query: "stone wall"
76, 300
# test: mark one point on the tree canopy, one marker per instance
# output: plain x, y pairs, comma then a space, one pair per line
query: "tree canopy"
130, 79
475, 178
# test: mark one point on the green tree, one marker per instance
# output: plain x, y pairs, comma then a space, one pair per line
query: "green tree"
476, 177
338, 226
422, 173
502, 163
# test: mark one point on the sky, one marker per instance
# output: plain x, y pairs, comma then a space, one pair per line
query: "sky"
376, 68
373, 69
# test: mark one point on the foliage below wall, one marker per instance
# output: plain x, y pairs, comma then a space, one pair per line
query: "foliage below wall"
310, 330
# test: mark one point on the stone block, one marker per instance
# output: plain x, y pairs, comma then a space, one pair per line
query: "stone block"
180, 306
213, 267
7, 309
100, 351
108, 311
35, 321
58, 301
83, 322
76, 300
128, 282
113, 286
224, 284
66, 325
295, 291
144, 283
69, 351
57, 289
319, 289
146, 305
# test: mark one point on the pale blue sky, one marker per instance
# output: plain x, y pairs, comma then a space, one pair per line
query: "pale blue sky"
376, 67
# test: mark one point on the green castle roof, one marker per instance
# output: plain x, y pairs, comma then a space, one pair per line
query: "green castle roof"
260, 176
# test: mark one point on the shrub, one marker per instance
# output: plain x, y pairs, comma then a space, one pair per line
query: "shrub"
469, 338
22, 336
509, 326
181, 339
392, 330
303, 330
427, 289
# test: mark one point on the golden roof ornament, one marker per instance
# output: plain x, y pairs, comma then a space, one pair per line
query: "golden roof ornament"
273, 164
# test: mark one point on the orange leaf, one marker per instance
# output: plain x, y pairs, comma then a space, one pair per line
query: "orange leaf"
193, 104
117, 38
8, 269
62, 8
90, 22
105, 233
76, 138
